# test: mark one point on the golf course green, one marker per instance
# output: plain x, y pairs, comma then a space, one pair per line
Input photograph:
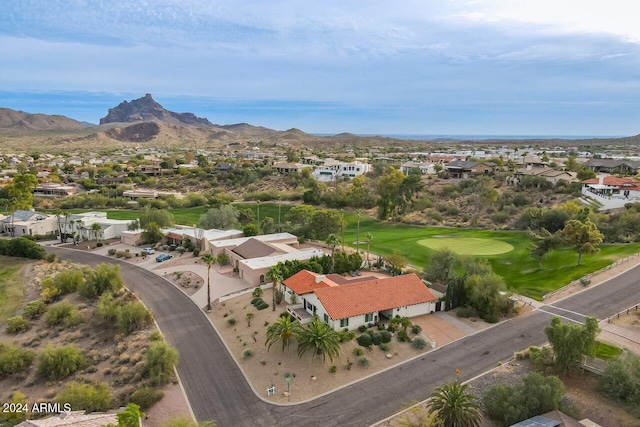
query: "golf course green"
467, 245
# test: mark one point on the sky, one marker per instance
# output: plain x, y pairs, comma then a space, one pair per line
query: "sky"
448, 67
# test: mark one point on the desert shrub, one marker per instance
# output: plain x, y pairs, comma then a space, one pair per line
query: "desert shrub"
621, 379
257, 301
262, 306
419, 343
358, 351
22, 247
333, 369
380, 326
254, 300
103, 278
34, 309
247, 353
346, 336
146, 397
112, 251
376, 338
363, 361
17, 325
106, 311
132, 316
161, 358
365, 340
362, 328
403, 336
13, 359
56, 363
385, 336
48, 290
63, 313
196, 252
50, 258
90, 398
68, 281
465, 312
231, 321
540, 357
384, 346
257, 292
155, 336
416, 329
535, 395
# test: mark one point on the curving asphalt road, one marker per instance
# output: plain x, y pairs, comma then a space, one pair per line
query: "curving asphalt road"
218, 391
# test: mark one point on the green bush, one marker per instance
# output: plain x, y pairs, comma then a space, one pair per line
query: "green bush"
384, 346
103, 278
363, 361
621, 379
257, 292
231, 321
112, 251
376, 338
403, 336
365, 340
132, 316
87, 397
333, 369
50, 258
106, 312
63, 313
257, 301
466, 312
34, 309
161, 358
358, 352
17, 325
56, 363
535, 395
262, 306
416, 329
22, 247
247, 353
196, 252
68, 281
362, 328
419, 343
385, 336
346, 336
146, 397
14, 359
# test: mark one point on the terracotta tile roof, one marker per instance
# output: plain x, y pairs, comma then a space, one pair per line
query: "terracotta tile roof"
627, 183
367, 297
341, 280
305, 282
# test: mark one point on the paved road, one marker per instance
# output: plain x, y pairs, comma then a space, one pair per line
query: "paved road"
217, 390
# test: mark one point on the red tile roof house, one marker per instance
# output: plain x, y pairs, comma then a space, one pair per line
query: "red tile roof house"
349, 304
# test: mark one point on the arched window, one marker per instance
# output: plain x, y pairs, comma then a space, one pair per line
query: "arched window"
261, 279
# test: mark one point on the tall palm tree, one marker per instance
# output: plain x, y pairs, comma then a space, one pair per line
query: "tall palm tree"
58, 214
209, 260
332, 241
369, 239
96, 228
454, 407
276, 274
320, 338
282, 330
359, 212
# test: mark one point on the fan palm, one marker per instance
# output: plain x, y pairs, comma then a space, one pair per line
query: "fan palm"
320, 338
209, 260
454, 407
282, 330
275, 274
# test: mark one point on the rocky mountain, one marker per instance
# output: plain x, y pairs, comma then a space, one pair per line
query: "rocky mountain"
145, 109
12, 119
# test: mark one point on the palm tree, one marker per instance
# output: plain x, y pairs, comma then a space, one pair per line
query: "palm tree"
58, 214
369, 239
276, 274
96, 228
282, 330
332, 241
209, 260
359, 212
454, 407
320, 338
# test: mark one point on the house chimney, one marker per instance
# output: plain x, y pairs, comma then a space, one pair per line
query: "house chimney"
320, 278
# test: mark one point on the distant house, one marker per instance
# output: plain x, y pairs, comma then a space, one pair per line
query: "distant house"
177, 234
611, 186
613, 166
332, 170
350, 304
425, 168
80, 226
552, 175
55, 190
468, 169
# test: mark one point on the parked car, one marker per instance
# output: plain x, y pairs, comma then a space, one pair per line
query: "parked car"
163, 257
148, 251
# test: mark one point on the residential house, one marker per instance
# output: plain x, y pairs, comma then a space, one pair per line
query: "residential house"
549, 174
613, 166
467, 169
55, 190
350, 304
29, 223
425, 168
80, 226
333, 170
177, 234
612, 192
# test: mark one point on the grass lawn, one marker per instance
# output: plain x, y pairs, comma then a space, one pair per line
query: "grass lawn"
467, 245
605, 351
519, 270
11, 292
